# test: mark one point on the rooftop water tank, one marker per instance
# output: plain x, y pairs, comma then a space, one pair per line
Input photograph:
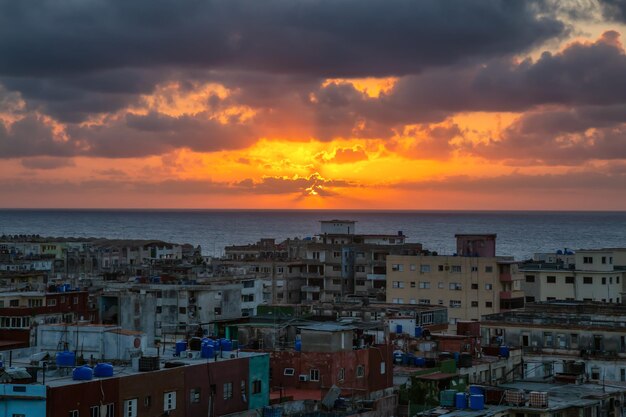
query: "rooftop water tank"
460, 400
103, 370
181, 346
477, 402
227, 345
65, 359
84, 373
298, 345
207, 350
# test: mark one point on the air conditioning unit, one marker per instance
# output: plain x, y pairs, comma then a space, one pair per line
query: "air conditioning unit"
193, 354
303, 377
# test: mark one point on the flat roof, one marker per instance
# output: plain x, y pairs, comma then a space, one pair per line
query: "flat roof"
57, 380
327, 327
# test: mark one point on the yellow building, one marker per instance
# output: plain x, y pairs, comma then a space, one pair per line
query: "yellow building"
470, 286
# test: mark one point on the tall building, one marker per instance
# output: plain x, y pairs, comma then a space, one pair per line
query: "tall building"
471, 283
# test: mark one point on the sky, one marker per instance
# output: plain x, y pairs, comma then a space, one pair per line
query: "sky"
313, 104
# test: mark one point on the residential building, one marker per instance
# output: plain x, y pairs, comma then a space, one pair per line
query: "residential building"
22, 312
165, 311
586, 275
583, 339
470, 286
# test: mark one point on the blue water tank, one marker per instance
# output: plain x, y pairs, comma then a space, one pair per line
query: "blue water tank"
103, 369
457, 355
227, 345
181, 346
504, 351
84, 373
475, 390
418, 331
477, 402
460, 400
61, 288
298, 345
65, 359
398, 328
207, 350
1, 364
405, 359
397, 358
421, 362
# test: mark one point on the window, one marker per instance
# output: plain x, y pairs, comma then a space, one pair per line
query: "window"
530, 278
194, 395
610, 280
423, 301
247, 298
74, 413
474, 269
551, 279
110, 410
397, 284
169, 401
182, 310
622, 374
336, 282
474, 286
382, 368
51, 302
424, 284
398, 301
412, 284
360, 283
412, 301
94, 411
342, 374
289, 372
397, 267
456, 268
147, 401
587, 259
489, 269
547, 339
587, 280
314, 374
336, 268
412, 267
603, 280
440, 268
424, 268
228, 390
488, 304
440, 285
474, 303
359, 268
34, 302
256, 386
217, 311
455, 303
489, 287
569, 280
360, 371
455, 286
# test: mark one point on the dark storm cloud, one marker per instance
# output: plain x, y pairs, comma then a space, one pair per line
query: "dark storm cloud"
321, 37
614, 9
31, 136
155, 133
563, 136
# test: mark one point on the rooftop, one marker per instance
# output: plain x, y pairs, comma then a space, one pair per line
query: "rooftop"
58, 378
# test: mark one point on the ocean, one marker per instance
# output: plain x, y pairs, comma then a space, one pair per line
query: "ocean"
520, 234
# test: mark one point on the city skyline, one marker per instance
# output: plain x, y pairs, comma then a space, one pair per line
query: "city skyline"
314, 104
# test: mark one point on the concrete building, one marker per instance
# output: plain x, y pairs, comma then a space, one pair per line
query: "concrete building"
470, 286
166, 311
586, 340
337, 264
22, 312
586, 275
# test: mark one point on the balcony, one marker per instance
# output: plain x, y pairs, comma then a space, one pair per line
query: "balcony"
505, 277
376, 277
310, 288
509, 295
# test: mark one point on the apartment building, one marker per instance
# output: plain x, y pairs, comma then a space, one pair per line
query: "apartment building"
164, 311
335, 265
471, 283
585, 340
586, 275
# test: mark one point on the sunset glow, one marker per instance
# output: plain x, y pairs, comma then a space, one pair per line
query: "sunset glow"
390, 116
